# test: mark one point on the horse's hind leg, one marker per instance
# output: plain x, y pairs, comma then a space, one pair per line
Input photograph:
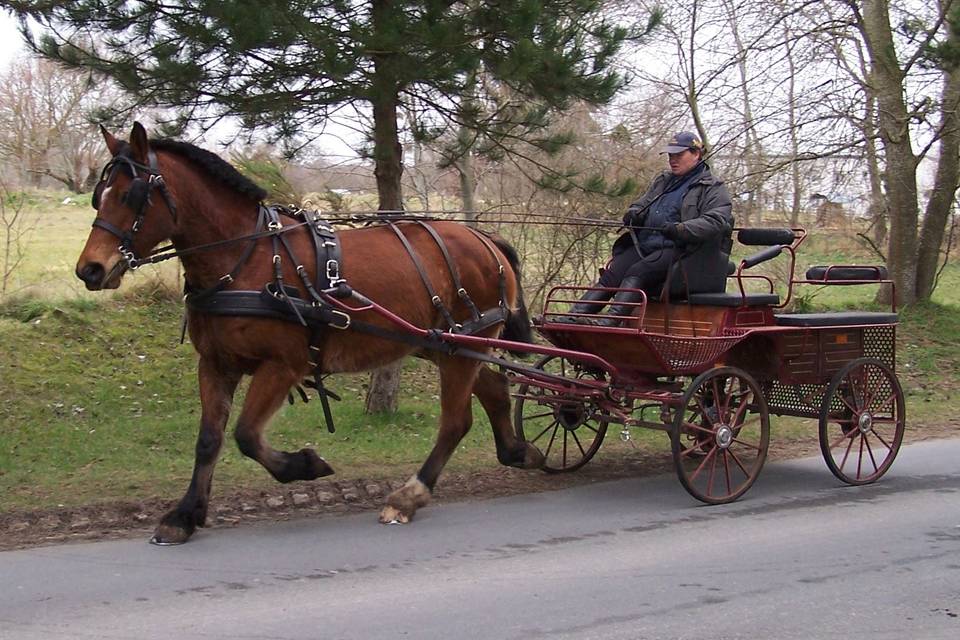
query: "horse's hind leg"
268, 391
456, 385
216, 396
493, 391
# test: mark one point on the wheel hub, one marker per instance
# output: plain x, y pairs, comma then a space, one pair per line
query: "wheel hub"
724, 436
571, 417
865, 423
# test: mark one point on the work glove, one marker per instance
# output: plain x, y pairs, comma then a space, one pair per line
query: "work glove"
673, 231
634, 216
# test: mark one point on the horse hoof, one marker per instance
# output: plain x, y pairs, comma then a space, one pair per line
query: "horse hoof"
533, 458
392, 515
159, 542
168, 536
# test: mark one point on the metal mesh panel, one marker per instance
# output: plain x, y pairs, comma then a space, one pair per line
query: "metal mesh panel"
880, 343
795, 399
686, 355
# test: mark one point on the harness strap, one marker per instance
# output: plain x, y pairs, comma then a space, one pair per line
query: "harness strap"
434, 298
454, 272
496, 256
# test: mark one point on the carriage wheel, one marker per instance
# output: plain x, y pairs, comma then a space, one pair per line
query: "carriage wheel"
720, 435
568, 431
862, 421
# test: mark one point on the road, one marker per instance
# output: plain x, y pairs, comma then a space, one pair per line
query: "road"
800, 556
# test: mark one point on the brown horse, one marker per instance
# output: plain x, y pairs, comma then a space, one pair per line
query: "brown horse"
154, 190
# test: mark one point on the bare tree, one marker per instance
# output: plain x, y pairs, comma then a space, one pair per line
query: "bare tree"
15, 226
45, 124
903, 71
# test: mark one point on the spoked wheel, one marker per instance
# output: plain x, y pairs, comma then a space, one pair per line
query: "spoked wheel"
567, 430
862, 421
720, 435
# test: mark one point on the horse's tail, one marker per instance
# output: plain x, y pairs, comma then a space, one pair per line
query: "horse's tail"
517, 325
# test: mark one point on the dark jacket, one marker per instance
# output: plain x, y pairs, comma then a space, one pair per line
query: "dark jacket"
707, 219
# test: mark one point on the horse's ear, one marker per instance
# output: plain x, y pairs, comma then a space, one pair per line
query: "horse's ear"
138, 143
113, 145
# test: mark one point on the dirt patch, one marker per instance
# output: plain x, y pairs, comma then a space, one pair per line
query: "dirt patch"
22, 529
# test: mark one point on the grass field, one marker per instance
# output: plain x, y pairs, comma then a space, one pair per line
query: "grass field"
98, 399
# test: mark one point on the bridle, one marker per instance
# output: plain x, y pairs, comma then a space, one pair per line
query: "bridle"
137, 199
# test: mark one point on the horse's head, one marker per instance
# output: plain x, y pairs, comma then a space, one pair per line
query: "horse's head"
130, 221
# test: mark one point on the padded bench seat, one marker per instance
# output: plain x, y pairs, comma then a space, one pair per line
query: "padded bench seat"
734, 299
841, 318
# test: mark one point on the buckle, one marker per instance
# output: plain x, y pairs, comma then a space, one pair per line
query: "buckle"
333, 273
133, 263
341, 314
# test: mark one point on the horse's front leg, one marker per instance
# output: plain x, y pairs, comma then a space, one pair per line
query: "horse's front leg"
456, 383
268, 391
493, 391
216, 396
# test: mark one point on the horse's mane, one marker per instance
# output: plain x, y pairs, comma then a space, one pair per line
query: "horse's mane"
215, 166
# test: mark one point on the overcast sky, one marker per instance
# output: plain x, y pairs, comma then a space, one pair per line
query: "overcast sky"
10, 40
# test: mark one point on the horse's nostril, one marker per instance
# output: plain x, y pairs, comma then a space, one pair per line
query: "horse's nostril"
92, 274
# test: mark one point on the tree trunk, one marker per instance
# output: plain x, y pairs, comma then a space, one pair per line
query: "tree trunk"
945, 184
468, 186
877, 210
796, 201
900, 173
388, 168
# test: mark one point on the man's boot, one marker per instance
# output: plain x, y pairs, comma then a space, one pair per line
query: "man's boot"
591, 302
623, 304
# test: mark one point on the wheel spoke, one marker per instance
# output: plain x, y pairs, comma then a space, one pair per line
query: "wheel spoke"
577, 440
696, 427
844, 436
565, 433
748, 445
537, 416
741, 410
857, 397
713, 473
870, 451
860, 457
852, 408
847, 452
555, 423
880, 438
737, 461
710, 455
552, 438
889, 402
726, 471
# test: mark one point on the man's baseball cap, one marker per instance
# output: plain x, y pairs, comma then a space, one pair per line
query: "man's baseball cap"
682, 141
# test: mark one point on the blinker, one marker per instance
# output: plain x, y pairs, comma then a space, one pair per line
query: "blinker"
136, 196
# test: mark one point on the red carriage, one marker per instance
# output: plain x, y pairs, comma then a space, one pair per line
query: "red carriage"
712, 368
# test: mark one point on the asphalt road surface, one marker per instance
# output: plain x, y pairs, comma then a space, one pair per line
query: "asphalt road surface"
799, 556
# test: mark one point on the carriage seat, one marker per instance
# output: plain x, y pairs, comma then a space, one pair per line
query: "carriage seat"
842, 318
734, 299
840, 274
